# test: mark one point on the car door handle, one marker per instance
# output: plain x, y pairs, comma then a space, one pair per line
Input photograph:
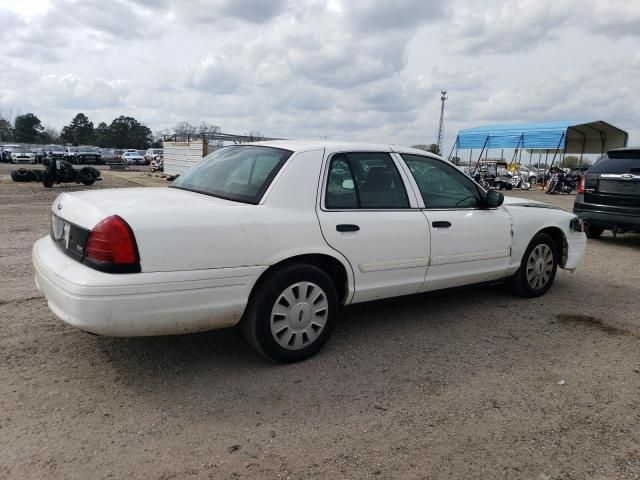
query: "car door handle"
347, 228
441, 224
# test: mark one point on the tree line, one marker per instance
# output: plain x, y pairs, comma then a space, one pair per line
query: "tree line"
122, 132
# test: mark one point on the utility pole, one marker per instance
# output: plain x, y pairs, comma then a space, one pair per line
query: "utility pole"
443, 97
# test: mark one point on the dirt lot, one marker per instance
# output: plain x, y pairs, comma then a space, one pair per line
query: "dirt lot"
471, 383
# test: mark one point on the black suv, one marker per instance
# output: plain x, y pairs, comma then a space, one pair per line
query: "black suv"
609, 193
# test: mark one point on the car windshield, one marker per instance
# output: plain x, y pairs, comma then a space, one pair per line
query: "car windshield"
623, 161
54, 148
158, 151
240, 173
86, 149
21, 149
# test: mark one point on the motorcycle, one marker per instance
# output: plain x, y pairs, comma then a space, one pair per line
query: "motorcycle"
61, 171
559, 183
157, 164
518, 182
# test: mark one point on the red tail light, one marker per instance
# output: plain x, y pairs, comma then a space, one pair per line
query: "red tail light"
112, 242
581, 185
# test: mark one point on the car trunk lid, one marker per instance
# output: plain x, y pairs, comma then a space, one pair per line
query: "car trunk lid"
87, 208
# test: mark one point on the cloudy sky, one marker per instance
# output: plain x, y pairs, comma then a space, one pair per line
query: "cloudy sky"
342, 69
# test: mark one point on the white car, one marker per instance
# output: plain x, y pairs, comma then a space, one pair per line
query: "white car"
22, 155
132, 158
277, 235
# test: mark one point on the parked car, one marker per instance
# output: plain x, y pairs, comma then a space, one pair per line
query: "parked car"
89, 155
528, 175
132, 158
21, 154
609, 193
107, 154
38, 153
6, 152
276, 235
71, 154
153, 154
55, 152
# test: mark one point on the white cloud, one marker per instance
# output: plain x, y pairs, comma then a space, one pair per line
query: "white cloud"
616, 18
509, 27
370, 70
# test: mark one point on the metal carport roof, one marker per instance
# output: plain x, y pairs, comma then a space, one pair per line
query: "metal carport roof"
570, 137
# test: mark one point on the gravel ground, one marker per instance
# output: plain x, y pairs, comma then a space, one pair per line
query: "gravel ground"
470, 383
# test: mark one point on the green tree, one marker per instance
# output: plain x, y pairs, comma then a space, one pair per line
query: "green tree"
101, 135
570, 161
127, 132
6, 130
27, 128
79, 131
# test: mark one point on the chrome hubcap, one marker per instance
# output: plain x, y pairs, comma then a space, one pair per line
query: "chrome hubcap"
539, 266
299, 315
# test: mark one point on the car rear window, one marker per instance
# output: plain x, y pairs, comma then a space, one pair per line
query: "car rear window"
623, 161
241, 173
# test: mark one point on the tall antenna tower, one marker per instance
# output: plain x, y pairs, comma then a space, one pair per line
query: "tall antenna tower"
443, 97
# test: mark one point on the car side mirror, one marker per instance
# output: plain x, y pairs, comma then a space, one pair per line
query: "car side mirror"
494, 199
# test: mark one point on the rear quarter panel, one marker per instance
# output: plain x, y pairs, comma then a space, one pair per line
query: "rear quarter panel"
282, 226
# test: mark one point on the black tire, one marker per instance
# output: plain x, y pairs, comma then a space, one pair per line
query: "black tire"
520, 283
498, 185
256, 323
593, 231
21, 175
49, 177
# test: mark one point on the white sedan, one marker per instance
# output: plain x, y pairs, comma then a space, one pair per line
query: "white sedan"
278, 235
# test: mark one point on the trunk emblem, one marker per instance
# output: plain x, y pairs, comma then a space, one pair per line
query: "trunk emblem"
60, 206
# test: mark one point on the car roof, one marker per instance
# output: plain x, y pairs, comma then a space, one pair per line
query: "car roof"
624, 149
306, 145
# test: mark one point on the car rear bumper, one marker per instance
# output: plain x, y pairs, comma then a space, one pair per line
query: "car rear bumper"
140, 304
601, 216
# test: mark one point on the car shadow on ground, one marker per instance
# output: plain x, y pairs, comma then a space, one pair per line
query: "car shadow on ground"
371, 341
625, 239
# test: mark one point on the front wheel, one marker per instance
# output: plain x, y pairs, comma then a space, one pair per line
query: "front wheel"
292, 313
538, 267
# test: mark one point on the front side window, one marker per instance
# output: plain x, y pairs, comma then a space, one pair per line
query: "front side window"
442, 185
364, 180
240, 173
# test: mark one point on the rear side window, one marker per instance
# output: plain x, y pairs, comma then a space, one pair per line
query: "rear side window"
241, 173
623, 161
364, 180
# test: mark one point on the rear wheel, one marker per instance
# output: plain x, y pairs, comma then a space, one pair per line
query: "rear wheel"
592, 231
292, 313
538, 267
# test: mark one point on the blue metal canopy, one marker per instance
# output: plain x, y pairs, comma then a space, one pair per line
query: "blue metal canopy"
571, 137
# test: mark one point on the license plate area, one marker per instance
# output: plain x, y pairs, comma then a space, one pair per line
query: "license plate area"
620, 187
70, 238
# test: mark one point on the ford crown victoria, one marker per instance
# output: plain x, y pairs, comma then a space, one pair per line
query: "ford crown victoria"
276, 236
